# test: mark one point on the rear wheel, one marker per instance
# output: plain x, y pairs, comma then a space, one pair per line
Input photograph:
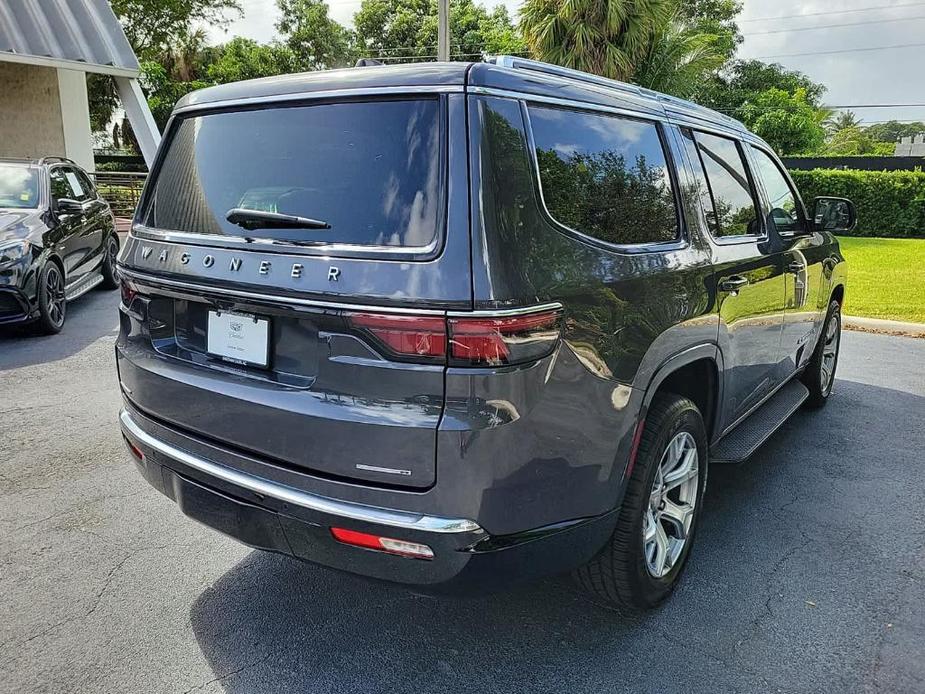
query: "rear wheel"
108, 269
819, 375
642, 562
52, 301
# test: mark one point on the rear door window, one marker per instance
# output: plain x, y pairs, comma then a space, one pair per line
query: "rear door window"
605, 176
370, 170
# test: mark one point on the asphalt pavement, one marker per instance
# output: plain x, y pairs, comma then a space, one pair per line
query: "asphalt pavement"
808, 574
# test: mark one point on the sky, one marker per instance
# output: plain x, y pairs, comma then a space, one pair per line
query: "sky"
890, 76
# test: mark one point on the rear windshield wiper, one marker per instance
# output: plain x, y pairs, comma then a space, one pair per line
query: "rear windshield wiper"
258, 219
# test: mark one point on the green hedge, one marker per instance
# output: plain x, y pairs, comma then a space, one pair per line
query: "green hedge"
890, 203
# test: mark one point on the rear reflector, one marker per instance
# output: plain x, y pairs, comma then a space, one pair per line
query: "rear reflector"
128, 292
390, 545
133, 449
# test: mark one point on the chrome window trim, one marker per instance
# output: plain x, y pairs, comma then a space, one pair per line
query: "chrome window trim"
146, 280
297, 497
680, 243
154, 281
251, 243
571, 103
325, 94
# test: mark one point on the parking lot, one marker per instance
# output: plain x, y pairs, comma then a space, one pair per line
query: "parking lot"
808, 575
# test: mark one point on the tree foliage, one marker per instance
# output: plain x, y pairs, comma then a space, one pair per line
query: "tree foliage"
604, 37
892, 131
741, 80
155, 26
788, 122
399, 30
716, 18
317, 42
245, 59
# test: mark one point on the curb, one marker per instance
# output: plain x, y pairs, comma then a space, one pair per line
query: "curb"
884, 327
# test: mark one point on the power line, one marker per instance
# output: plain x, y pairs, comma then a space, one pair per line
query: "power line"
832, 26
820, 14
842, 50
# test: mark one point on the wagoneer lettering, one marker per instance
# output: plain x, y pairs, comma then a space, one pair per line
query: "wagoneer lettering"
460, 325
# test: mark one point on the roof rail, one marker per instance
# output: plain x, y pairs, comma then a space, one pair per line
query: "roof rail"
516, 63
680, 106
50, 160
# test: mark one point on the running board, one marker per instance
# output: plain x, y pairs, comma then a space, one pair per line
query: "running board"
83, 286
747, 437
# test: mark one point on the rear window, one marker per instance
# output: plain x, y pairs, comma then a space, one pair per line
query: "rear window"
371, 171
19, 186
604, 176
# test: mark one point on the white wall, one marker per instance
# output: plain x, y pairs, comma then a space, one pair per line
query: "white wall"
44, 112
75, 117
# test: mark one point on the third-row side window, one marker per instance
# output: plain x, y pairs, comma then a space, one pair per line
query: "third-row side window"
605, 176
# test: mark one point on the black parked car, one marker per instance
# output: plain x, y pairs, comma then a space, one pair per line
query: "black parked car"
461, 324
57, 240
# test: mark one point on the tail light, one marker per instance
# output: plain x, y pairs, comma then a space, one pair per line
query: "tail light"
461, 340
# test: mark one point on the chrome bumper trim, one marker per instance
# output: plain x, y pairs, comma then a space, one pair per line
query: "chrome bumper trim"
290, 495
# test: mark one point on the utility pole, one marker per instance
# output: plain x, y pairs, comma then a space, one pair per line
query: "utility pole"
443, 30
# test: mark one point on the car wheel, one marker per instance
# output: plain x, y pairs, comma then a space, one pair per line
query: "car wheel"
819, 375
643, 560
52, 301
108, 270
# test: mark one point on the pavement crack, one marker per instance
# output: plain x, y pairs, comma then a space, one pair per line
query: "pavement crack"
246, 666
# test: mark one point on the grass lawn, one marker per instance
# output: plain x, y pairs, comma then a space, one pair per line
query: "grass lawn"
886, 278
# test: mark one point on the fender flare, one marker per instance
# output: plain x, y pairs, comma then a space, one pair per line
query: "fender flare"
707, 350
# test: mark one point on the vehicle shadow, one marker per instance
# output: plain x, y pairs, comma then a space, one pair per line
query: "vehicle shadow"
92, 316
736, 623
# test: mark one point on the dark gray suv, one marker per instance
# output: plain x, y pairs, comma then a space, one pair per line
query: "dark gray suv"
455, 325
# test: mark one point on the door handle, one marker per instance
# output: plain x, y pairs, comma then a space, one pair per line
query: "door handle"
796, 267
733, 284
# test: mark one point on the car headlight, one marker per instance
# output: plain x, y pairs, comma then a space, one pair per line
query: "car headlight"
13, 250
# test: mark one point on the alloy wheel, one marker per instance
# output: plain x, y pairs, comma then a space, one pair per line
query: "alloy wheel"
670, 512
54, 294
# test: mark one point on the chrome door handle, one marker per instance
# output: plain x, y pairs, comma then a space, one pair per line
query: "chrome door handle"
733, 284
796, 267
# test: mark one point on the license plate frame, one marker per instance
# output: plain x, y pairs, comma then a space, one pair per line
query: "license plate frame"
239, 338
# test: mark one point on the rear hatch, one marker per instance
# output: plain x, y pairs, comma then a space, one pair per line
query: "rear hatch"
288, 265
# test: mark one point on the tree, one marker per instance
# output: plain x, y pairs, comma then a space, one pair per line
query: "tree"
716, 18
892, 131
743, 79
154, 26
787, 122
604, 37
399, 30
842, 121
317, 41
679, 60
244, 59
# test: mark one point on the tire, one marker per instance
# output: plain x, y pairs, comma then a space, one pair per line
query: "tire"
626, 573
52, 302
819, 375
108, 268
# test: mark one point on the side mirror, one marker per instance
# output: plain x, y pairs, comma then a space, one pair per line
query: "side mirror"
836, 215
68, 206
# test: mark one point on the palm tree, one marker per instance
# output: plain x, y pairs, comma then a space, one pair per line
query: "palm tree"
605, 37
841, 121
678, 60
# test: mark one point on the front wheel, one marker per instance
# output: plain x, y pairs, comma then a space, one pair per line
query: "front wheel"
642, 562
52, 301
819, 376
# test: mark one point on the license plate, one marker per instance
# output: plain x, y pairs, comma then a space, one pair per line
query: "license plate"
238, 337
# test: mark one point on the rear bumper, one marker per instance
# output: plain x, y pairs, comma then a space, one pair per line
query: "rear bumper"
268, 515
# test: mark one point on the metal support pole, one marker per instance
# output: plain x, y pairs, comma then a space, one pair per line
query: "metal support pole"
443, 30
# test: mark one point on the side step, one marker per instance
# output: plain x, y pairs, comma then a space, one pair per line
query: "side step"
745, 439
84, 286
